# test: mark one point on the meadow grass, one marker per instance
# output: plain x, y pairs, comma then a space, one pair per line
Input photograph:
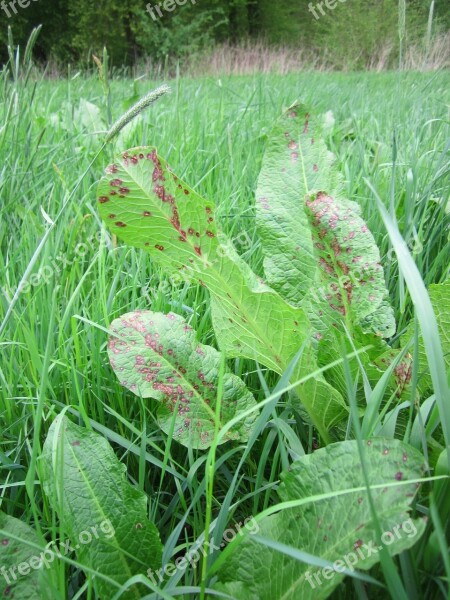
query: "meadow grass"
389, 130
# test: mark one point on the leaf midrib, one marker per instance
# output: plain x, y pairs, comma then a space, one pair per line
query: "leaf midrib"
96, 502
173, 368
261, 338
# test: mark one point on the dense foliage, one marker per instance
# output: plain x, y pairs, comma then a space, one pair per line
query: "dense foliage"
270, 417
73, 30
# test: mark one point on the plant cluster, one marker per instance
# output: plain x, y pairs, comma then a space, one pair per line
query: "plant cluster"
320, 318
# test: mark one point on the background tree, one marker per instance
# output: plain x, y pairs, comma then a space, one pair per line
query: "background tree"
73, 29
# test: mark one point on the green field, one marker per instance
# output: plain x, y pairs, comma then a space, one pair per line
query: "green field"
389, 130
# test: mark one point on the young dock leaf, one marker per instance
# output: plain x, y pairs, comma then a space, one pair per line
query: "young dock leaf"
104, 516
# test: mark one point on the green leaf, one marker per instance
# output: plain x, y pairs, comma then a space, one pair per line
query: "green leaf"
335, 527
158, 356
104, 516
150, 208
375, 361
318, 251
440, 300
351, 276
296, 161
30, 583
89, 116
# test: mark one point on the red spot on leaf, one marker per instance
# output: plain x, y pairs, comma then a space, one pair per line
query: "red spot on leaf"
306, 127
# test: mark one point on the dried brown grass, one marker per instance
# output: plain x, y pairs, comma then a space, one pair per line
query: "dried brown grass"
250, 58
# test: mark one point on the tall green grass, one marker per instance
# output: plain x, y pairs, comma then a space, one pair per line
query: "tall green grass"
390, 130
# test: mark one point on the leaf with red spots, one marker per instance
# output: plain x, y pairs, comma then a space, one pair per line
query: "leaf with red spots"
400, 380
295, 162
157, 356
318, 251
178, 230
180, 235
350, 275
337, 526
145, 205
31, 584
